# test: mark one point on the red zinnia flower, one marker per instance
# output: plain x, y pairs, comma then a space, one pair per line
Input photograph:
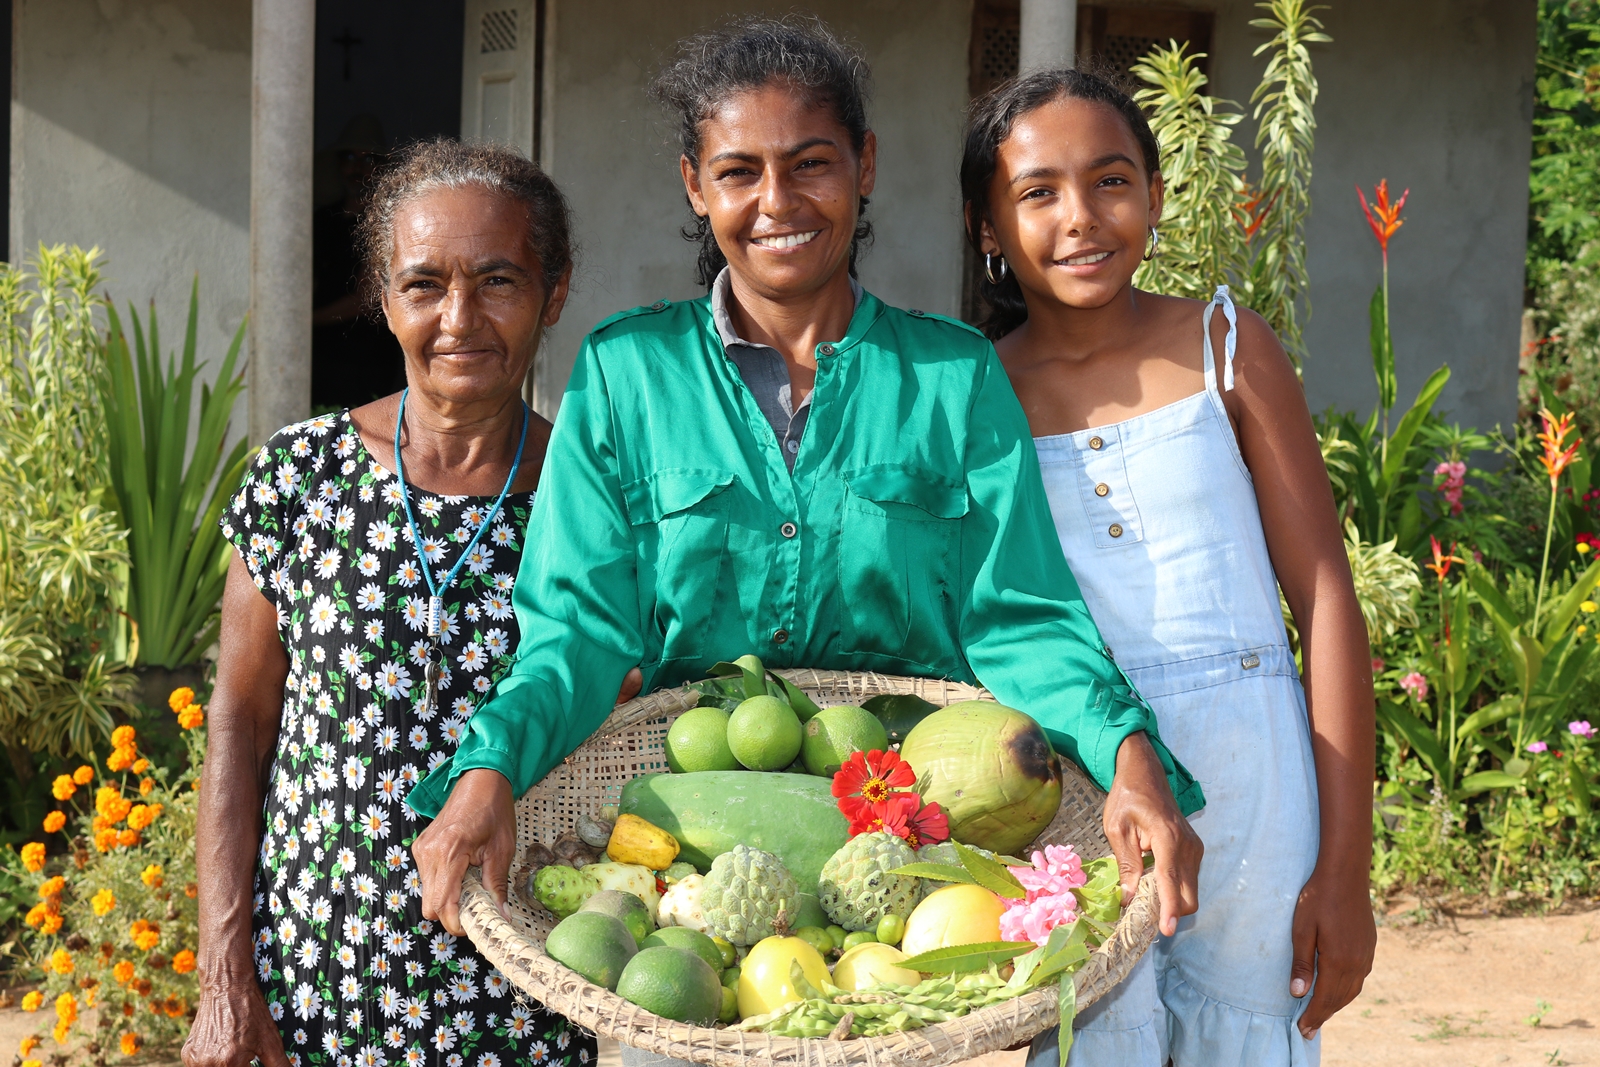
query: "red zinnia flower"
892, 815
928, 825
873, 776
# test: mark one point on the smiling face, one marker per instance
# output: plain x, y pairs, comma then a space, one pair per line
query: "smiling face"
782, 186
1070, 204
465, 296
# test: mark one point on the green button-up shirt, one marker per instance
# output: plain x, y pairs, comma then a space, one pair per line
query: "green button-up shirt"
913, 537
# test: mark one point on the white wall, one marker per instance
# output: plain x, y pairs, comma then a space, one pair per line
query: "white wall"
131, 131
613, 154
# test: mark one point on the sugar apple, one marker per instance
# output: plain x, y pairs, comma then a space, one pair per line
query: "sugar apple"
856, 887
747, 895
944, 852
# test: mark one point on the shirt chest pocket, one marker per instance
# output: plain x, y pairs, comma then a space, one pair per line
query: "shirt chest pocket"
680, 527
899, 545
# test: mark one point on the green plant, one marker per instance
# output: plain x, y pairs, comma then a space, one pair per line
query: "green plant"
179, 557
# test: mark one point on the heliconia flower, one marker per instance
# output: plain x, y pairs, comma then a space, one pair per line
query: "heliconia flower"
1580, 728
1388, 215
1415, 684
873, 775
1250, 212
1538, 746
1442, 559
1558, 455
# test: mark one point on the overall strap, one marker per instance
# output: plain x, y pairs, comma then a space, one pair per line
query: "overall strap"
1225, 302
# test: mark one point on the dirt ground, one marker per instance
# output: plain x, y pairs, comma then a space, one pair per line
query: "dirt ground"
1455, 993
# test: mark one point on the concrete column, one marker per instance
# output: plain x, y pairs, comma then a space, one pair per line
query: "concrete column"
1049, 35
283, 46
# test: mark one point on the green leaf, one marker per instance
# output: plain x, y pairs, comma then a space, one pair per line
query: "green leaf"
959, 959
995, 877
938, 872
1562, 613
749, 669
1069, 1011
802, 704
1418, 735
1382, 345
1101, 896
1484, 781
1487, 715
1400, 441
899, 712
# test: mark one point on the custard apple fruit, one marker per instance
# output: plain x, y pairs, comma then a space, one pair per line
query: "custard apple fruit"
856, 887
747, 894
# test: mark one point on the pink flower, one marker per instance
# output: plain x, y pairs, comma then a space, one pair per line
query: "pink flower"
1378, 666
1033, 920
1580, 728
1454, 475
1538, 746
1055, 873
1415, 684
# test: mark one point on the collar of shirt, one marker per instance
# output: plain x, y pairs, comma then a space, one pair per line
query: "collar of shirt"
729, 336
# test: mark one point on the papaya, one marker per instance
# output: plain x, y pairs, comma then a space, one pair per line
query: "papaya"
793, 816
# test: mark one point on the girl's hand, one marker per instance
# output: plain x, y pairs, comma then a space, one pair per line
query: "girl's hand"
1334, 939
1142, 816
232, 1026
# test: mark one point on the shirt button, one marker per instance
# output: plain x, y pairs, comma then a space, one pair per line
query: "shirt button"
1096, 444
918, 312
1102, 489
825, 350
1116, 529
658, 305
780, 636
788, 529
792, 446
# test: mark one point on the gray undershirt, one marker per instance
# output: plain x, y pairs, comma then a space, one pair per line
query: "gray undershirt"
765, 373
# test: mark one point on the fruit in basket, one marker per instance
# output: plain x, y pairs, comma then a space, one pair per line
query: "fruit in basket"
764, 981
592, 831
834, 733
680, 904
856, 887
564, 889
816, 937
625, 907
698, 741
730, 955
690, 941
747, 894
594, 944
674, 983
635, 840
858, 937
630, 878
891, 928
810, 913
991, 769
764, 733
954, 915
730, 1005
793, 816
870, 964
730, 977
678, 872
838, 934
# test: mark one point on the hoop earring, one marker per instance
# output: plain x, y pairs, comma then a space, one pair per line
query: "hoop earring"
988, 268
1155, 243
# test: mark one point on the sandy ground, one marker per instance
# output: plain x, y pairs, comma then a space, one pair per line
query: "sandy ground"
1457, 993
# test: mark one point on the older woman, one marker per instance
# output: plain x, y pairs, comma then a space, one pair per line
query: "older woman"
367, 612
790, 467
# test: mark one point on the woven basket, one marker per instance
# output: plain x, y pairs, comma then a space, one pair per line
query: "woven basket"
630, 744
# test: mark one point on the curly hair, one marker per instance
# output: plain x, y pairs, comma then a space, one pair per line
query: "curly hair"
751, 53
445, 163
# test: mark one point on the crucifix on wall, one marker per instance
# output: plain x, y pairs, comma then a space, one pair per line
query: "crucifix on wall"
346, 41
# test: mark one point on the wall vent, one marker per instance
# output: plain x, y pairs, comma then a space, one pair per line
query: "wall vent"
499, 31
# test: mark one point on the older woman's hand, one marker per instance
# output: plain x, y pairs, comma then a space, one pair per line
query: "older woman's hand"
232, 1025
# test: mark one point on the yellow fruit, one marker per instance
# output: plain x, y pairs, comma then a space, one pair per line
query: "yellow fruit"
871, 964
764, 983
633, 840
954, 915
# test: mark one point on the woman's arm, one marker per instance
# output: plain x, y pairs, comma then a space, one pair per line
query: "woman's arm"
1334, 934
231, 1024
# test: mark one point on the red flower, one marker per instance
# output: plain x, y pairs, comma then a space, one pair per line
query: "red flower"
1441, 559
1557, 454
929, 825
891, 815
873, 776
1388, 220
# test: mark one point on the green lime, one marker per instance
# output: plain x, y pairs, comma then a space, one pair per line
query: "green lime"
691, 940
596, 945
834, 733
730, 1005
764, 733
730, 977
673, 983
724, 946
838, 933
891, 928
816, 937
632, 911
698, 741
860, 937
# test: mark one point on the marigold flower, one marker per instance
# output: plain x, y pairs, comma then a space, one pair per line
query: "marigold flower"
51, 924
54, 821
123, 737
140, 765
128, 838
174, 1007
191, 716
145, 934
36, 915
120, 759
127, 1008
32, 1063
141, 986
130, 1044
151, 876
191, 890
103, 902
83, 775
28, 1044
142, 815
67, 1008
61, 961
105, 840
146, 785
93, 993
180, 698
156, 961
183, 962
123, 972
33, 856
51, 888
33, 1001
60, 1032
63, 787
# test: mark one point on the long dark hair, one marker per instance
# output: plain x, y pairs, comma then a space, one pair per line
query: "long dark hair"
751, 53
989, 123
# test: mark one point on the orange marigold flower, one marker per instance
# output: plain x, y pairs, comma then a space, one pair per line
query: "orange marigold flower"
128, 838
36, 915
52, 923
61, 961
191, 890
123, 737
123, 972
29, 1043
54, 821
121, 758
104, 797
142, 815
33, 1001
31, 1063
103, 902
145, 934
146, 785
93, 994
67, 1008
51, 888
60, 1032
151, 876
174, 1007
140, 765
130, 1044
183, 962
63, 787
105, 840
83, 775
33, 856
180, 698
191, 716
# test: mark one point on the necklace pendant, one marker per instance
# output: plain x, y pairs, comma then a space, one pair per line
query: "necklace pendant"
435, 615
430, 683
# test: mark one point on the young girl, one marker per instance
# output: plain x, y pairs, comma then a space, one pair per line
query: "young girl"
1187, 487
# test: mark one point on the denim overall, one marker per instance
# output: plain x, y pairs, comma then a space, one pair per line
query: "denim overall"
1157, 516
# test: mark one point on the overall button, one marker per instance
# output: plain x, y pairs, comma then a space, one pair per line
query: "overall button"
1096, 443
780, 637
788, 529
1116, 529
825, 350
1102, 489
1250, 663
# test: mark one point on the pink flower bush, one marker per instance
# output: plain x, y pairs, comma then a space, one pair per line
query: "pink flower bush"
1538, 746
1454, 475
1055, 873
1415, 684
1580, 728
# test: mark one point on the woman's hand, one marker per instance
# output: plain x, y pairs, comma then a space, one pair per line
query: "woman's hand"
232, 1026
475, 828
1334, 939
1142, 816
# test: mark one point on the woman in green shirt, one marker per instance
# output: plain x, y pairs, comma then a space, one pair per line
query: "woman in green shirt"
790, 467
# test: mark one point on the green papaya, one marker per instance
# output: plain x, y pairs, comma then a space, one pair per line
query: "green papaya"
793, 816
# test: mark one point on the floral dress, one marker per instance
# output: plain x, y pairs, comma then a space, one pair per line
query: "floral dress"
352, 972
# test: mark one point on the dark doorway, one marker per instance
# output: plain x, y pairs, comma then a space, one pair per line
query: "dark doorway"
387, 74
